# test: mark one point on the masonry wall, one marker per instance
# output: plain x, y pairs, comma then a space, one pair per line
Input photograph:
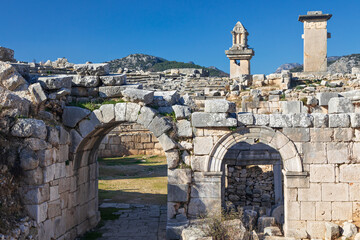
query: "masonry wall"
129, 139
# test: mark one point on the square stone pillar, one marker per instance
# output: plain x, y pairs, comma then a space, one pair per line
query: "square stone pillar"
237, 69
315, 41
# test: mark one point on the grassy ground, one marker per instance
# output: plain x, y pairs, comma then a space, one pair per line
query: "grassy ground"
133, 179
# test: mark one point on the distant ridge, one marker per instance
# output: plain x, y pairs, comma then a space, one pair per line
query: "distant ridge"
144, 62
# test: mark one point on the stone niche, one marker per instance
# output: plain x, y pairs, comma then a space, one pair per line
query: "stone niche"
253, 178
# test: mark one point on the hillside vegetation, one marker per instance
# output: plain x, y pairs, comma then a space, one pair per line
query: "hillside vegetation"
156, 64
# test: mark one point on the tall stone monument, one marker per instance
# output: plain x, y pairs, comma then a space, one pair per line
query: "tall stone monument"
315, 41
239, 54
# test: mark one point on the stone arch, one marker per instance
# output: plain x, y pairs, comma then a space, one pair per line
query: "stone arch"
290, 157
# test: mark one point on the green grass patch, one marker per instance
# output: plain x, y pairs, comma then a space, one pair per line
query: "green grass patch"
95, 105
131, 160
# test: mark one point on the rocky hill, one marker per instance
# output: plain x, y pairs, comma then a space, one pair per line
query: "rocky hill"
336, 64
143, 62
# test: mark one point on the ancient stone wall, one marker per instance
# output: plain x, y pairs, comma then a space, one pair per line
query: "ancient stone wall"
129, 139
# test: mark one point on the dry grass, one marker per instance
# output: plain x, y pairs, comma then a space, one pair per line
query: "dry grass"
133, 179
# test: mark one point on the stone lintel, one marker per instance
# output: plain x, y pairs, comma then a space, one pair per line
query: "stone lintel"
324, 17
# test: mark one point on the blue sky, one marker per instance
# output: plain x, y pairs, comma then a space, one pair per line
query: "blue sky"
199, 31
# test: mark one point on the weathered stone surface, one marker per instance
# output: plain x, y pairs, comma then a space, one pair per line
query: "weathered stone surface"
350, 230
36, 194
28, 159
94, 69
200, 119
28, 127
120, 112
219, 106
55, 82
182, 176
332, 231
75, 140
198, 164
289, 107
203, 145
107, 112
109, 92
320, 120
138, 95
322, 173
114, 79
325, 97
297, 134
181, 112
166, 142
339, 120
6, 54
280, 120
159, 125
72, 115
355, 120
132, 112
264, 222
9, 77
146, 116
340, 105
302, 120
178, 192
337, 153
350, 173
86, 81
261, 119
163, 99
184, 128
193, 233
37, 93
272, 231
245, 119
172, 157
38, 212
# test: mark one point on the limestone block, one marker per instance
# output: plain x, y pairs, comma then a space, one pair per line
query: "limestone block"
343, 134
138, 95
302, 120
203, 205
184, 128
114, 79
6, 54
85, 81
28, 127
332, 231
180, 176
54, 193
132, 112
178, 192
297, 134
49, 173
181, 112
280, 120
341, 210
320, 120
120, 112
279, 140
313, 193
159, 125
335, 192
72, 115
172, 157
202, 119
355, 120
198, 163
296, 233
316, 229
350, 173
37, 93
357, 236
349, 230
38, 212
321, 134
206, 189
261, 119
288, 151
75, 140
245, 119
339, 120
54, 209
166, 98
28, 159
108, 112
314, 153
56, 82
203, 145
219, 106
340, 105
322, 173
146, 116
35, 194
307, 211
323, 211
64, 136
93, 69
60, 170
289, 107
325, 97
111, 92
337, 153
